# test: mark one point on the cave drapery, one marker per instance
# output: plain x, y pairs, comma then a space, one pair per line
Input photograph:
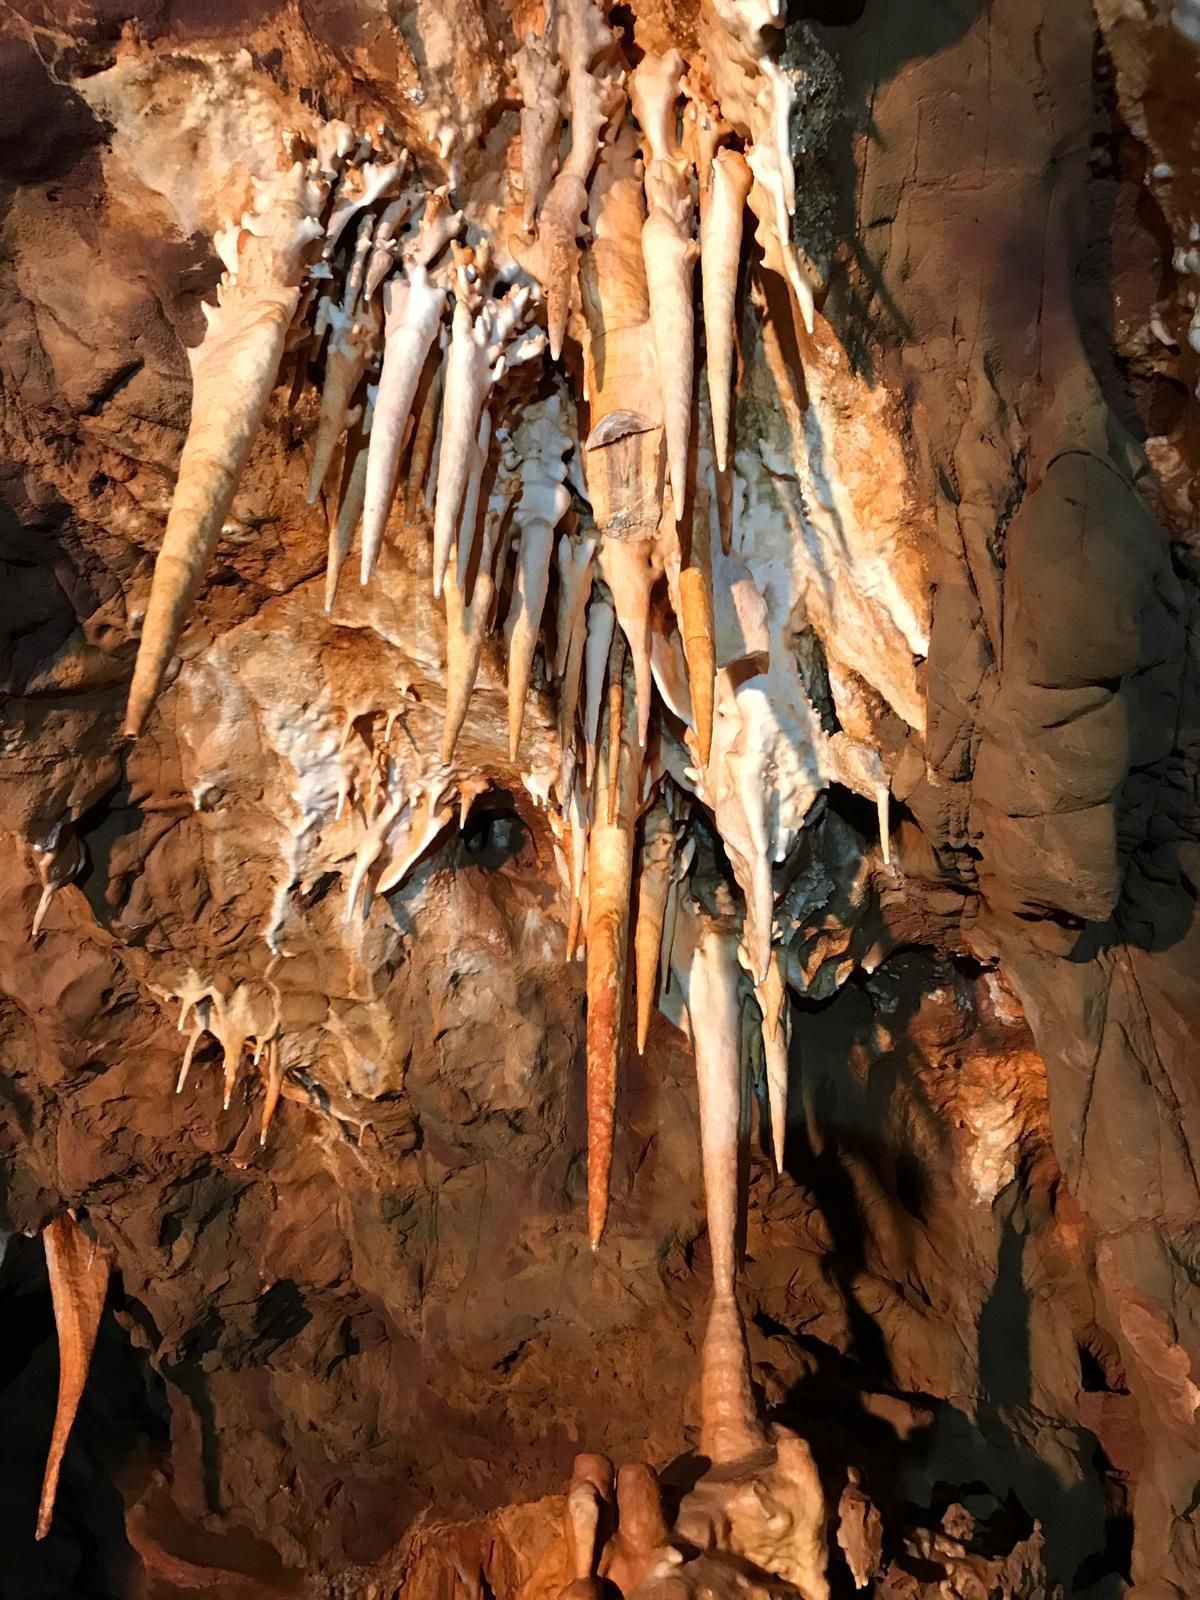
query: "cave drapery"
599, 798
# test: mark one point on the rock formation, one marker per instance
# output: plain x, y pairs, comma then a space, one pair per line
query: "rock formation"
600, 798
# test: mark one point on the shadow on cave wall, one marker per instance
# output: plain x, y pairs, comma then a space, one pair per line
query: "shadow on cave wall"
983, 1455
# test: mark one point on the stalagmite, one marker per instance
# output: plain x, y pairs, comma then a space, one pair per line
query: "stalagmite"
590, 1490
654, 882
730, 1428
859, 1531
720, 251
642, 1539
543, 503
413, 306
610, 873
772, 999
233, 373
78, 1270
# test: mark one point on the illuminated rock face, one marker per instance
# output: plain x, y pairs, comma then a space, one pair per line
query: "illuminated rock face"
690, 538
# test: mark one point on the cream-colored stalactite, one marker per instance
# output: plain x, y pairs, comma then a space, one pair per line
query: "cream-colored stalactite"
469, 518
544, 501
670, 256
720, 252
58, 859
475, 363
413, 305
78, 1270
630, 567
669, 253
233, 373
366, 856
348, 514
575, 567
859, 766
354, 328
771, 995
655, 872
730, 1428
763, 777
601, 620
427, 823
469, 610
740, 38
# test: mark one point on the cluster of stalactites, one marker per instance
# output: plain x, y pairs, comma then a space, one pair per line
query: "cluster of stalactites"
608, 502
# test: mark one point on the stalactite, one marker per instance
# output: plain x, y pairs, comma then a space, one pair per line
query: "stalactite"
776, 1032
575, 566
413, 306
233, 372
601, 619
348, 514
623, 454
654, 882
354, 333
669, 253
476, 362
610, 875
543, 502
629, 568
78, 1270
696, 621
720, 250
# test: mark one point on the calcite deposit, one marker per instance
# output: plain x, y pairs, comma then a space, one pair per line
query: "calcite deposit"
599, 776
